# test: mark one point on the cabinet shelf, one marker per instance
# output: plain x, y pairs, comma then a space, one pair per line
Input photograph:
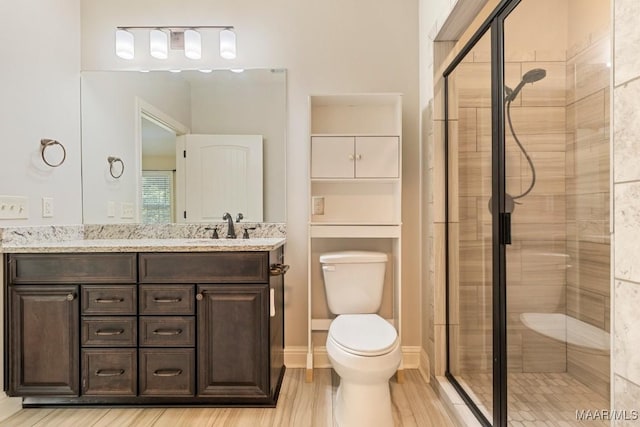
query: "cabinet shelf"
355, 188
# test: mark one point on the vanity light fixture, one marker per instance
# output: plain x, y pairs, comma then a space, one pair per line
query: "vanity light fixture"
158, 44
124, 44
179, 38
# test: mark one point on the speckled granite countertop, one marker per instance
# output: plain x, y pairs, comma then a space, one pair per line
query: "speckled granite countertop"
147, 245
136, 238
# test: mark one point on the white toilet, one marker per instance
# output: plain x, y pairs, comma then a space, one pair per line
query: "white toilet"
364, 349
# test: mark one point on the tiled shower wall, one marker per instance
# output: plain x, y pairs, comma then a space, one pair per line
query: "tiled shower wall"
588, 196
536, 259
626, 176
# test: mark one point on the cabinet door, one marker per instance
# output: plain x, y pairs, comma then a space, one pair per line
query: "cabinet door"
43, 329
332, 157
233, 341
377, 157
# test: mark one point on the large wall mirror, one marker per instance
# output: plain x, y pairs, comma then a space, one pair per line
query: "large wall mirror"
160, 147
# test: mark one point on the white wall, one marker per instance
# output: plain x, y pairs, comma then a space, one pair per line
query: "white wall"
327, 47
109, 129
40, 87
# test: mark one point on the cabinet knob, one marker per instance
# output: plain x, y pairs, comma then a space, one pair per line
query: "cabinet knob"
351, 157
199, 297
71, 297
358, 156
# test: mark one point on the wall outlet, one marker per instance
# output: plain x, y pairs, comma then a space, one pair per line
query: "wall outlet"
47, 207
14, 207
111, 209
317, 205
126, 210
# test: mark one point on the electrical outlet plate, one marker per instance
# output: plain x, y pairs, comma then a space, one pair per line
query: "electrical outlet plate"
126, 210
14, 207
318, 205
47, 207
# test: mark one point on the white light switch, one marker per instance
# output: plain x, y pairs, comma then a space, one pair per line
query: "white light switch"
14, 207
111, 209
318, 205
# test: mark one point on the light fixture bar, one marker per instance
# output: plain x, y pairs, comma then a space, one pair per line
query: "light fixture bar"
173, 27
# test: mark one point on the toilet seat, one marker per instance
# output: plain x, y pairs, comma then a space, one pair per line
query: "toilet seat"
363, 334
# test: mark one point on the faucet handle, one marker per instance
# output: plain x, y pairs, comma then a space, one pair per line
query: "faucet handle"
215, 232
245, 234
239, 217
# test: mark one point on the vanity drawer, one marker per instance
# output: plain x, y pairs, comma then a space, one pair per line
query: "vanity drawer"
218, 267
109, 299
167, 331
167, 372
167, 299
73, 268
109, 372
109, 332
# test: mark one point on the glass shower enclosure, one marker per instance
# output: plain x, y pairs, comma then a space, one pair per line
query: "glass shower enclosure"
528, 251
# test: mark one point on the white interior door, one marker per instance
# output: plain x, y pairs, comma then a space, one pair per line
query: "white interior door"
223, 173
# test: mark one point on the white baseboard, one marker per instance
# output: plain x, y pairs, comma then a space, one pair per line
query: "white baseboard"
296, 357
424, 367
9, 406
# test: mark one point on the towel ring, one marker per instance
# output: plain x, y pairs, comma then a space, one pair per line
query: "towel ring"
112, 160
46, 143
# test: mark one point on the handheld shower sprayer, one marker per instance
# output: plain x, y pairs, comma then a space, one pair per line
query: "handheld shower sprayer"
530, 76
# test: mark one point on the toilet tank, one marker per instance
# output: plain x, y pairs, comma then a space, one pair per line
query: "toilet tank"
353, 281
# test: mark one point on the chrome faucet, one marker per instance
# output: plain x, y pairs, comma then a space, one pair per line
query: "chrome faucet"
231, 232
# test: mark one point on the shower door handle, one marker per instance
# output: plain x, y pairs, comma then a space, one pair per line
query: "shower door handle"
505, 227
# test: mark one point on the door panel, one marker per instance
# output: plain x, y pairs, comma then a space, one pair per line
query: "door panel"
377, 157
223, 174
332, 157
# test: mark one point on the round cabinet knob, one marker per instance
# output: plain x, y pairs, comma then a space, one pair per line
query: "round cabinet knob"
71, 297
359, 157
351, 157
199, 297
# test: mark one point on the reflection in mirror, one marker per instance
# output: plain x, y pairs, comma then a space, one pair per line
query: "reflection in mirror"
199, 145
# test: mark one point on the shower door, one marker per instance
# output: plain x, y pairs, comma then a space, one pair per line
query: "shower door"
469, 229
527, 158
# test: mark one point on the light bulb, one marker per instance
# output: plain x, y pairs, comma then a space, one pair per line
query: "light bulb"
192, 44
227, 44
158, 44
124, 44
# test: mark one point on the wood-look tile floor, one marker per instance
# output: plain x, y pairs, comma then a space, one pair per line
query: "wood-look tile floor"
300, 405
545, 399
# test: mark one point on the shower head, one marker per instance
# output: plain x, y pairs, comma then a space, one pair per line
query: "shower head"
530, 76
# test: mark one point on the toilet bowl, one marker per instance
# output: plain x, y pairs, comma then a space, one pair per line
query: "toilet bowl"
364, 349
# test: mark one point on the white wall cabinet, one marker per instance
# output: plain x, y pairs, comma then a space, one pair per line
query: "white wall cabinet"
354, 157
355, 188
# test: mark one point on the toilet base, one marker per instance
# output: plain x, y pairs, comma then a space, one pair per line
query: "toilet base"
363, 405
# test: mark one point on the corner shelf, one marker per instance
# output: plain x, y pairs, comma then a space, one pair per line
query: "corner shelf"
356, 181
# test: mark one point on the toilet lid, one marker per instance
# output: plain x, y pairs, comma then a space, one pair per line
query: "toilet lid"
363, 334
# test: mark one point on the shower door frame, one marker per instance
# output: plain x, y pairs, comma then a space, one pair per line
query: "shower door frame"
500, 222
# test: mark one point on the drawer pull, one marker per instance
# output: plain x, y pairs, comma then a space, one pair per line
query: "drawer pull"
71, 297
167, 332
200, 297
278, 269
167, 372
109, 372
109, 300
109, 332
167, 299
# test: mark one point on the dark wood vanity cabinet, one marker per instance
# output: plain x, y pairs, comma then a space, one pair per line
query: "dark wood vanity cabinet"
145, 328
